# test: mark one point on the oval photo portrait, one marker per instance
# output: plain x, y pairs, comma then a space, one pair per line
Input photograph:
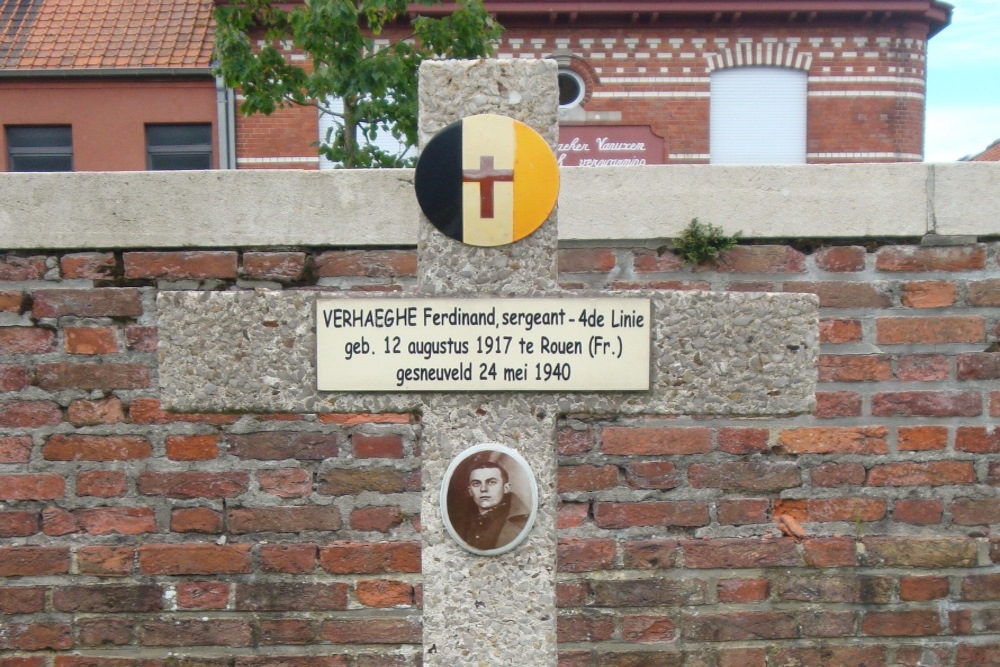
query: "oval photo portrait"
489, 499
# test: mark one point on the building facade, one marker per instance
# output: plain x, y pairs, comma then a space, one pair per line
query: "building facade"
727, 81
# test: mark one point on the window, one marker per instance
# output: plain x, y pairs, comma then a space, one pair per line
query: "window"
328, 124
571, 88
758, 116
40, 148
170, 147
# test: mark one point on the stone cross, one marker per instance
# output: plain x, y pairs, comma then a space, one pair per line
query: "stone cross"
712, 354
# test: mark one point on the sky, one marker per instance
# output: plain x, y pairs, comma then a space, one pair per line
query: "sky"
963, 82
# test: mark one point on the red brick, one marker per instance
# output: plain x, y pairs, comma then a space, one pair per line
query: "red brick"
103, 599
26, 340
978, 366
104, 631
922, 367
101, 483
193, 484
90, 340
841, 258
977, 439
92, 413
148, 411
929, 294
975, 511
379, 519
285, 482
912, 258
571, 593
978, 655
585, 555
284, 519
141, 338
587, 478
572, 515
29, 414
389, 446
981, 587
191, 558
743, 440
96, 448
651, 475
100, 302
280, 445
104, 376
868, 656
384, 593
922, 589
655, 441
837, 331
289, 558
739, 553
842, 294
33, 561
854, 368
584, 627
919, 552
983, 293
366, 263
742, 657
57, 521
648, 592
739, 626
651, 554
833, 404
823, 623
922, 438
192, 447
177, 265
22, 268
762, 259
291, 596
918, 512
927, 404
741, 591
656, 513
845, 509
13, 378
836, 439
588, 260
571, 441
285, 631
186, 631
354, 418
21, 600
15, 449
372, 631
105, 561
651, 261
195, 520
929, 330
20, 523
40, 486
901, 623
351, 481
829, 552
830, 588
88, 265
648, 628
933, 473
995, 404
750, 476
116, 520
11, 302
280, 266
742, 511
37, 636
370, 557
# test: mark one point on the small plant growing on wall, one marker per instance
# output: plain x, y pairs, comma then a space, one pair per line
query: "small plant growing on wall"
701, 242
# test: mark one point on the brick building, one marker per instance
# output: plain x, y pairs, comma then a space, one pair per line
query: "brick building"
109, 86
722, 81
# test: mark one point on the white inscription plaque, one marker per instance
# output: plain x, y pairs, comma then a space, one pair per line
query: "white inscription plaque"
482, 344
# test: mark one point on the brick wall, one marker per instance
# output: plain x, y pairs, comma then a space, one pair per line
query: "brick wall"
863, 534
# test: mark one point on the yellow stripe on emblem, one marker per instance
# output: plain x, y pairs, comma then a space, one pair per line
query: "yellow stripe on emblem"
488, 149
536, 182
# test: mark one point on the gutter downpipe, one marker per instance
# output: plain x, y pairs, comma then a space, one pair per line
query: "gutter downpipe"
225, 100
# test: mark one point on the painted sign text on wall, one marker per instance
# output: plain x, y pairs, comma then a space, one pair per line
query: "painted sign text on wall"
608, 146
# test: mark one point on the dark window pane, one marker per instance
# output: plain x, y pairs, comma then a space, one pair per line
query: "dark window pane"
41, 163
51, 136
40, 148
173, 161
178, 135
172, 147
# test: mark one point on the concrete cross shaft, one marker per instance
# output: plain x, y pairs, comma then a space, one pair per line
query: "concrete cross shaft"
712, 354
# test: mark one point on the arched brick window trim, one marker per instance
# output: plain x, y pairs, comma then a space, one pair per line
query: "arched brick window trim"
745, 54
578, 64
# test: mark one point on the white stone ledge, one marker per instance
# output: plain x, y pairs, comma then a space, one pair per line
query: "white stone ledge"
378, 207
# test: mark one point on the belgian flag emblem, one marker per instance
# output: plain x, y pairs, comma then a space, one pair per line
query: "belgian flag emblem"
487, 180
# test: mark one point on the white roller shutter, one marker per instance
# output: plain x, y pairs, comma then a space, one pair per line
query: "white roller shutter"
758, 116
385, 141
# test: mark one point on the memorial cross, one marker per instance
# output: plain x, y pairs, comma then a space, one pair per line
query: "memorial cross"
710, 354
487, 176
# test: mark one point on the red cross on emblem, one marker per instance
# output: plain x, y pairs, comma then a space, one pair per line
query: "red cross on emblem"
487, 176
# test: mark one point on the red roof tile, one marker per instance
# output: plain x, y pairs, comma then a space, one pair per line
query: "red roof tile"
105, 34
991, 154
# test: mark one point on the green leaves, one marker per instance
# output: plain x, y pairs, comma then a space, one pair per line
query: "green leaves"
376, 81
701, 242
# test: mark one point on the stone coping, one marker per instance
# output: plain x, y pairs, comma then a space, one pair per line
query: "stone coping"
250, 208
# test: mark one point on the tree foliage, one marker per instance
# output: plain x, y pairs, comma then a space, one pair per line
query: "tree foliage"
378, 86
